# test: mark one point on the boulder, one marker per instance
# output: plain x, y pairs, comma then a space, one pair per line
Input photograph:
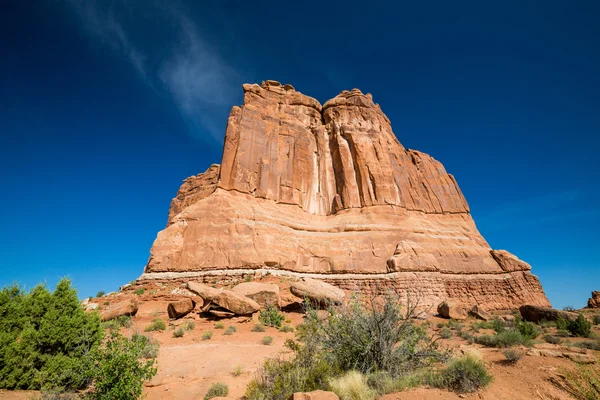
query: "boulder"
594, 301
315, 395
221, 313
263, 293
509, 262
206, 292
236, 303
125, 307
317, 292
452, 309
536, 314
478, 312
178, 309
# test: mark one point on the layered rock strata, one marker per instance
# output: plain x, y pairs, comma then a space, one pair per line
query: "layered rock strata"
328, 191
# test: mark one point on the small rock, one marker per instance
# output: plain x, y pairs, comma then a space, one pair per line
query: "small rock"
178, 309
478, 312
315, 395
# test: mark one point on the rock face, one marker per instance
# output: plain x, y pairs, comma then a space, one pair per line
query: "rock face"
328, 191
594, 301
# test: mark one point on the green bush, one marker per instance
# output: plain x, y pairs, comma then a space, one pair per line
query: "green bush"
207, 335
217, 390
45, 338
562, 324
220, 325
139, 291
462, 375
352, 386
504, 339
596, 320
189, 326
148, 347
267, 340
258, 328
237, 371
286, 329
271, 316
100, 294
445, 333
119, 372
569, 308
528, 329
385, 383
157, 324
230, 330
580, 327
588, 344
179, 332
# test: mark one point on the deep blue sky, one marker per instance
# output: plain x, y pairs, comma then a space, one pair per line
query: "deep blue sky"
105, 108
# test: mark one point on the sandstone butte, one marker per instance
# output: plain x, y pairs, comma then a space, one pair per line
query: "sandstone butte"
328, 192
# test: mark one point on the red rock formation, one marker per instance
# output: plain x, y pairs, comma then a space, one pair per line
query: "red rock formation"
329, 190
594, 301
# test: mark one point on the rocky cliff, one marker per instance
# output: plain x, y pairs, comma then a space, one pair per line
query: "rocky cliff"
328, 191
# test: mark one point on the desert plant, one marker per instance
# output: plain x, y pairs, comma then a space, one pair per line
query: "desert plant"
179, 332
588, 344
352, 386
569, 308
139, 291
504, 339
462, 375
100, 294
552, 339
217, 390
258, 328
513, 355
189, 326
230, 330
596, 320
207, 335
583, 383
580, 327
445, 333
267, 340
562, 324
148, 347
286, 329
157, 324
237, 371
271, 316
219, 325
385, 383
562, 333
528, 329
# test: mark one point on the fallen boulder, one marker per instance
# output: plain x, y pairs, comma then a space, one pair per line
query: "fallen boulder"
236, 303
537, 313
318, 292
315, 395
206, 292
452, 309
221, 313
478, 312
178, 309
263, 293
125, 307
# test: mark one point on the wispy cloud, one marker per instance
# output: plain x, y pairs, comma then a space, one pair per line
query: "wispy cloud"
200, 83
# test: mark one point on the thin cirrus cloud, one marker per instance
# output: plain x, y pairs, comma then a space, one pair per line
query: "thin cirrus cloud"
200, 83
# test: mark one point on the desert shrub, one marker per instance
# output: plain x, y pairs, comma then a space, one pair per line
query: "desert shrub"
100, 294
220, 325
189, 326
551, 339
148, 347
569, 308
230, 330
467, 336
139, 291
385, 383
352, 386
119, 371
528, 329
462, 375
271, 316
580, 327
45, 338
179, 332
237, 371
455, 325
547, 324
562, 333
445, 333
596, 320
286, 329
258, 328
504, 339
513, 355
217, 390
498, 325
207, 335
589, 344
562, 324
583, 383
267, 340
124, 321
157, 324
375, 334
